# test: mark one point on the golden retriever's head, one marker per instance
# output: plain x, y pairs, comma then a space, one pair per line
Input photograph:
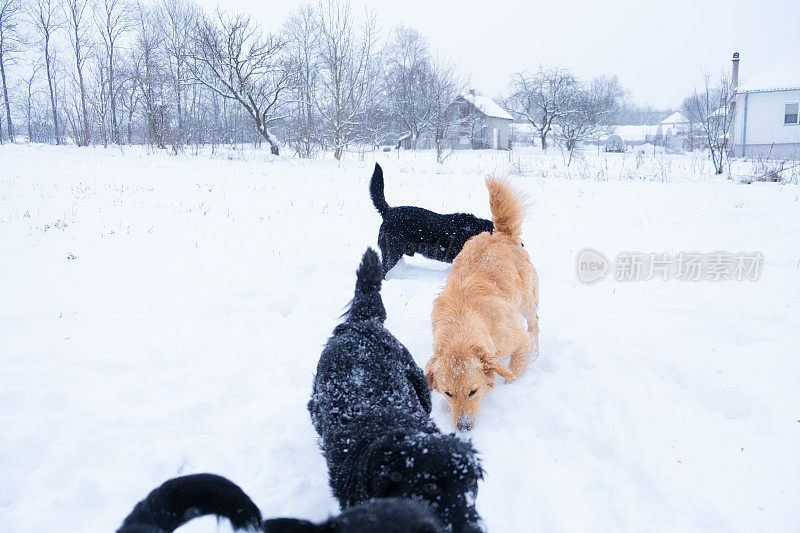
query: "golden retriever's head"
464, 378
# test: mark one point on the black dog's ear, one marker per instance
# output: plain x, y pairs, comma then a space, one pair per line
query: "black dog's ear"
381, 456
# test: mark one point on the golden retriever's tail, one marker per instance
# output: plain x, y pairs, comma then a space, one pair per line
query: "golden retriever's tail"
508, 209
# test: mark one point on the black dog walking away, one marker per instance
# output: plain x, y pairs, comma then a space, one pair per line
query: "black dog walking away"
408, 230
371, 407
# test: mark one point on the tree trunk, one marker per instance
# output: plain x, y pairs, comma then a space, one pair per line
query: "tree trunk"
28, 116
5, 95
181, 135
543, 137
85, 136
52, 91
112, 96
274, 149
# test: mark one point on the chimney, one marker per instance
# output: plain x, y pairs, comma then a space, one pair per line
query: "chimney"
472, 92
735, 72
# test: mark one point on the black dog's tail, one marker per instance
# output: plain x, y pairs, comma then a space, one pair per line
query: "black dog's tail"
180, 500
367, 302
376, 191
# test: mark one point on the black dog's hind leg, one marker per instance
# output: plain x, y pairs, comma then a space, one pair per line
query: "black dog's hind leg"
391, 252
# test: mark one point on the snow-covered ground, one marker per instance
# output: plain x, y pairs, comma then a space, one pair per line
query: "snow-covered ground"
163, 315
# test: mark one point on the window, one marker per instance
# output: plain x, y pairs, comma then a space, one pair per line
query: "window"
790, 114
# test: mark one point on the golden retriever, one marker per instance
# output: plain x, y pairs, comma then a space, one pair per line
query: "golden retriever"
476, 318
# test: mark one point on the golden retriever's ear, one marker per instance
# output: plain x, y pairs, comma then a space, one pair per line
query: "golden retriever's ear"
492, 364
430, 374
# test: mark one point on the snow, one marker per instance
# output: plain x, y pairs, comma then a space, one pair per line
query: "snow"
675, 118
163, 315
636, 133
781, 75
487, 106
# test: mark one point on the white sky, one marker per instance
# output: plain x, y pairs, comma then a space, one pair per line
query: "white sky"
657, 48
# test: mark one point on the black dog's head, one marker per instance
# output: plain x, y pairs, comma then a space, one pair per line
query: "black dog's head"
441, 470
472, 225
387, 515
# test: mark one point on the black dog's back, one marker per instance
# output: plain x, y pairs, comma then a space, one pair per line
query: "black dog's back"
353, 374
182, 499
407, 230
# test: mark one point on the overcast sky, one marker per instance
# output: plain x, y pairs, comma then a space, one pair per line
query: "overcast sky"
657, 48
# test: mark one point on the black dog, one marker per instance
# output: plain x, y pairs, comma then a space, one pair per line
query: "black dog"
371, 406
409, 230
181, 499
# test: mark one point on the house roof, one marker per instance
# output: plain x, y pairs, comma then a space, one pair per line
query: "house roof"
675, 118
487, 106
782, 75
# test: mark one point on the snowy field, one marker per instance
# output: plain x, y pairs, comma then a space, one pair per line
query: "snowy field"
163, 315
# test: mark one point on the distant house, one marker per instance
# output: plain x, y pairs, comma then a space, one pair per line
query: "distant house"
482, 122
670, 132
674, 130
766, 114
633, 135
675, 124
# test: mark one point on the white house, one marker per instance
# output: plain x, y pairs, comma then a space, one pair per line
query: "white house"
675, 124
633, 135
765, 112
484, 123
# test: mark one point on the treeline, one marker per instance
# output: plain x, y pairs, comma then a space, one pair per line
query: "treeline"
169, 75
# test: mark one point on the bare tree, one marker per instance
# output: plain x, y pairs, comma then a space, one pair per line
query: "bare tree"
445, 86
43, 14
176, 22
236, 60
711, 109
301, 31
149, 75
410, 82
10, 39
590, 106
630, 112
113, 20
344, 55
75, 12
542, 97
130, 89
29, 94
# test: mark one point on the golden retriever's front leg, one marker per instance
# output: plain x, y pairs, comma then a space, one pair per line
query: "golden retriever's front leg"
533, 329
521, 356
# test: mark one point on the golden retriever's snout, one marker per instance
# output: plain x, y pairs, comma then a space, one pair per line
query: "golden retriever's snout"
465, 423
